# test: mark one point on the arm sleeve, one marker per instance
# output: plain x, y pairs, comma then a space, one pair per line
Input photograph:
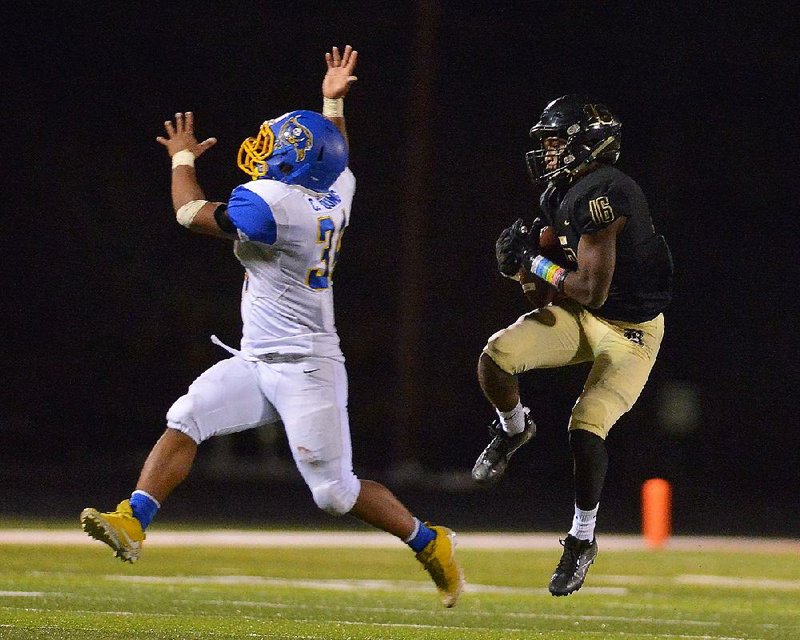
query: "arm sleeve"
599, 209
252, 216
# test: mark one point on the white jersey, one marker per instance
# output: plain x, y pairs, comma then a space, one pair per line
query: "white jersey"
288, 241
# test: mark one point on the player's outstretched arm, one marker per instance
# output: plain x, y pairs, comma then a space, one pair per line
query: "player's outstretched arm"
191, 207
336, 83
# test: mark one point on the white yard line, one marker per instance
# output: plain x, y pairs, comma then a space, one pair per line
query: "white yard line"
609, 584
363, 539
768, 584
693, 580
344, 585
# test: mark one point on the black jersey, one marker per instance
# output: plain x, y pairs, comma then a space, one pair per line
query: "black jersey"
641, 286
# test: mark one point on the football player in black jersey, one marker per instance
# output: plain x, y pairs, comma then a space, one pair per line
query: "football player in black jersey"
612, 289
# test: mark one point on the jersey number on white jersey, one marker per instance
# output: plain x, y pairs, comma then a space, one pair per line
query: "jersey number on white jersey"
331, 240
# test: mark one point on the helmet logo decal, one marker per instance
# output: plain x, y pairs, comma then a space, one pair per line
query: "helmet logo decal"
297, 135
573, 129
598, 113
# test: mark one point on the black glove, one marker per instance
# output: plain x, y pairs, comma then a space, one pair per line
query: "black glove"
514, 243
508, 250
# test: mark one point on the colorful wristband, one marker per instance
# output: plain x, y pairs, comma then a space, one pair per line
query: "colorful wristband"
548, 271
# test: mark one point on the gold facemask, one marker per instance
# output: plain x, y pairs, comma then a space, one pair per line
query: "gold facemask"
254, 151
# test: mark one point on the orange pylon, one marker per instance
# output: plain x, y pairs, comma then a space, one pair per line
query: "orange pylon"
656, 512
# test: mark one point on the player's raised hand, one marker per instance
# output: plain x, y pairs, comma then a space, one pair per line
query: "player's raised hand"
180, 136
339, 76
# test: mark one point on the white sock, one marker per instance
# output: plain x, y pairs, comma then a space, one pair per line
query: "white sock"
583, 523
513, 421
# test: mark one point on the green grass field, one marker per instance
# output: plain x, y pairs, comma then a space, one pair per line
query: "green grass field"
79, 591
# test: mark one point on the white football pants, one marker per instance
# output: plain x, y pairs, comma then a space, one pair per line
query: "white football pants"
309, 395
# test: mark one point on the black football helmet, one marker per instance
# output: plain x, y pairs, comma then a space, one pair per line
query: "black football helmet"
589, 129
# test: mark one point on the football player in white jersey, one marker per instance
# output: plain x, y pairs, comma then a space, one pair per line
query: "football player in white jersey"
286, 225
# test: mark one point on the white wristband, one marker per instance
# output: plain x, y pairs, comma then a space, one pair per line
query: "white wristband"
185, 215
333, 107
184, 157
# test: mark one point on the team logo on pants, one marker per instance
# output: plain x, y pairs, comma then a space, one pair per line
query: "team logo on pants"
635, 335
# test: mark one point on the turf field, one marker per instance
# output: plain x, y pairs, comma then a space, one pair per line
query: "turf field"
208, 585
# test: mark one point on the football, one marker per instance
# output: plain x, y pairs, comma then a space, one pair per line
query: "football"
544, 293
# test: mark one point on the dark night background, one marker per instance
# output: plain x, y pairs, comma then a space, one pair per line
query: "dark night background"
108, 303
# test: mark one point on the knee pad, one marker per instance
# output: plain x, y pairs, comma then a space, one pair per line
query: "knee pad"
180, 417
337, 497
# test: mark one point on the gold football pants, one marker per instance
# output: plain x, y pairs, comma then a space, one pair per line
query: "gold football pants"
623, 353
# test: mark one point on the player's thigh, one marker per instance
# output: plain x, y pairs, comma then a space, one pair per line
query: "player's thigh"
311, 397
545, 338
624, 357
226, 398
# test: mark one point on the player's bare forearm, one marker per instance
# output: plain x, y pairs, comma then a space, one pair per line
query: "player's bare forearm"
187, 190
185, 186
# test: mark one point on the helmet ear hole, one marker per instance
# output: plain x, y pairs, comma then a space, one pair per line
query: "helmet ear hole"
285, 168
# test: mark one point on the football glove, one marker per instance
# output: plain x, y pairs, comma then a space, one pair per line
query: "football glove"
508, 249
514, 243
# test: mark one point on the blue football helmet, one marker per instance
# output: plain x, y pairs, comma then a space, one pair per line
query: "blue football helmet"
299, 147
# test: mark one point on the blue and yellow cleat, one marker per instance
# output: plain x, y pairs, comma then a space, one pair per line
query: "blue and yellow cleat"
438, 558
118, 529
